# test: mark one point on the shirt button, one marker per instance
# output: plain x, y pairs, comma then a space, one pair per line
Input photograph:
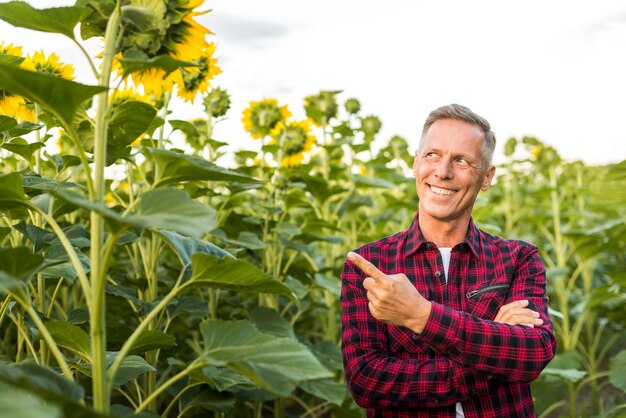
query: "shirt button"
437, 273
428, 245
472, 392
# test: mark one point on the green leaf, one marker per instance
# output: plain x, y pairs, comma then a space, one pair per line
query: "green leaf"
617, 365
135, 61
276, 364
232, 274
44, 184
372, 182
172, 209
128, 122
248, 240
174, 167
19, 262
58, 264
57, 96
571, 375
162, 209
327, 389
151, 340
61, 20
19, 404
12, 192
185, 247
10, 283
41, 381
6, 123
269, 321
25, 150
187, 128
131, 368
225, 379
333, 285
69, 336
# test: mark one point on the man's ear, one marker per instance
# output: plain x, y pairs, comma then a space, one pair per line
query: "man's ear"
491, 171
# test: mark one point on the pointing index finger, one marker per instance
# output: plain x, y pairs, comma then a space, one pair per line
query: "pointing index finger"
367, 267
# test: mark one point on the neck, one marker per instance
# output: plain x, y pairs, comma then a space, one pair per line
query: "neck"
443, 233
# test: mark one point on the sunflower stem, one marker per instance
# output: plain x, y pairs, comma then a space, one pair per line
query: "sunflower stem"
98, 272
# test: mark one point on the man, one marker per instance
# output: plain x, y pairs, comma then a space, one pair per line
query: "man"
443, 319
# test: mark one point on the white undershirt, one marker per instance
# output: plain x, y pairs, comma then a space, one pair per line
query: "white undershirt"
445, 258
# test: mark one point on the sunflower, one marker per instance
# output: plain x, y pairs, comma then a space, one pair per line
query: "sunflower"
123, 95
12, 105
294, 141
321, 107
170, 30
260, 118
50, 65
196, 79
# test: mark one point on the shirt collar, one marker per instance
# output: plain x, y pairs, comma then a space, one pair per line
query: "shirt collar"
415, 238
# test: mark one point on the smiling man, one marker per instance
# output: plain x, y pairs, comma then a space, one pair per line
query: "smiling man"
443, 319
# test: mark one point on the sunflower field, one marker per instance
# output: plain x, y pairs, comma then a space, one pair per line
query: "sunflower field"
145, 277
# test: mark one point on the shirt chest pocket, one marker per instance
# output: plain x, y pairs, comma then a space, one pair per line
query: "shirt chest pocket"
485, 300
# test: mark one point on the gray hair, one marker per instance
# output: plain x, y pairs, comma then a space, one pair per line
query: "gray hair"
459, 112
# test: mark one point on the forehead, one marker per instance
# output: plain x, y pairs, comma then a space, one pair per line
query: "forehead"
454, 135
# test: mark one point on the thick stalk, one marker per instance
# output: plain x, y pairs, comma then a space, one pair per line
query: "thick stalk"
98, 275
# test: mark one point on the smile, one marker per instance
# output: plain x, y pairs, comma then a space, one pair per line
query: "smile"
441, 191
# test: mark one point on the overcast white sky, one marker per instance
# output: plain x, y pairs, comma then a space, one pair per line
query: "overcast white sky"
552, 69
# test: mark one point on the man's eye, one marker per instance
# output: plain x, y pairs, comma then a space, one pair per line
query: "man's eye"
462, 161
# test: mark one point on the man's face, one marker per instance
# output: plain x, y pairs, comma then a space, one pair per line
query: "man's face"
449, 171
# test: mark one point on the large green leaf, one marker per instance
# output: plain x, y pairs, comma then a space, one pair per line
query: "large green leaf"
59, 97
58, 264
172, 209
128, 121
269, 321
69, 336
42, 381
22, 148
131, 368
16, 403
12, 192
232, 274
185, 247
174, 167
10, 282
327, 389
224, 379
617, 365
274, 363
61, 20
19, 262
571, 375
150, 339
162, 209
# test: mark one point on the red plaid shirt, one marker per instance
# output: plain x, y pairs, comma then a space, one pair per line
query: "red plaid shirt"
462, 355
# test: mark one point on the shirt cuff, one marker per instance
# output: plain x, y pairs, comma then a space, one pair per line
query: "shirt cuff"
443, 329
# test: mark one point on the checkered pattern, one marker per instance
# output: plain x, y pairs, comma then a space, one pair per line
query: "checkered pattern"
462, 355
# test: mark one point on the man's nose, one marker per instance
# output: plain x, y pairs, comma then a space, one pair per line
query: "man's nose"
444, 169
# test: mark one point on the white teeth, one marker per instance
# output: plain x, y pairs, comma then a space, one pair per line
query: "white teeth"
439, 190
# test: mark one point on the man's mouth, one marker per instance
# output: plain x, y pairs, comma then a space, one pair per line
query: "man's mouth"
441, 191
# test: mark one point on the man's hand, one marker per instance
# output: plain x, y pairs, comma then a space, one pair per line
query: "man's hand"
392, 298
517, 313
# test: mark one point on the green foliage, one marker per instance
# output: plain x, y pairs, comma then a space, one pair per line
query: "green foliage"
174, 286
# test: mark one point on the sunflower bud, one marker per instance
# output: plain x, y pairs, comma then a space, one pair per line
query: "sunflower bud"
353, 106
370, 126
322, 107
217, 102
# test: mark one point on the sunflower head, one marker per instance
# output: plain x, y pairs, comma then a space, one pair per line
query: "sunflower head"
260, 118
196, 79
294, 140
217, 102
370, 126
12, 105
48, 65
353, 106
10, 54
321, 107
